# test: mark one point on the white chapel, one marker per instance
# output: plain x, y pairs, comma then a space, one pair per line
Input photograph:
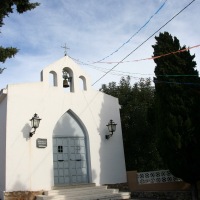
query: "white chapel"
71, 144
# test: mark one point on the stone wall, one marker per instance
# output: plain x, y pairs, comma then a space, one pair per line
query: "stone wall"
22, 195
168, 195
153, 195
121, 186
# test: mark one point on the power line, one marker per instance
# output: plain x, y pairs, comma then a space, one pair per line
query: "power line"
157, 11
123, 73
142, 59
102, 69
176, 83
155, 57
144, 42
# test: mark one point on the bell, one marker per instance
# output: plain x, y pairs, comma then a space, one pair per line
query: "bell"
65, 83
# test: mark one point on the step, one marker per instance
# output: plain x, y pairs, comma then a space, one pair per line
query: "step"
86, 197
72, 186
83, 192
76, 190
71, 194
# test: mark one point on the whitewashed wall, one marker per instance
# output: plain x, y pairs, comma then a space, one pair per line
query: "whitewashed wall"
31, 168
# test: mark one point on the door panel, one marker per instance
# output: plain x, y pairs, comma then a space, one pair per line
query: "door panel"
70, 164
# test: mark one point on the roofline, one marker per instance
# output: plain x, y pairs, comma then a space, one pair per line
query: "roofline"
3, 94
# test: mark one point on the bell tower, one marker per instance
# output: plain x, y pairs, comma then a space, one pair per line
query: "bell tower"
66, 74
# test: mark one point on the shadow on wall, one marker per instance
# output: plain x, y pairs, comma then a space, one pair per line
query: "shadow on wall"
26, 131
94, 174
104, 149
68, 126
110, 152
43, 162
21, 194
20, 186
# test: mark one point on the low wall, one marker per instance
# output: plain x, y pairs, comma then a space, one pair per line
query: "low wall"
162, 195
133, 185
22, 195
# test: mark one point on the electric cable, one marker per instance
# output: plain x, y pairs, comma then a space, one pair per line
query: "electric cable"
157, 11
176, 83
123, 73
154, 57
102, 69
144, 42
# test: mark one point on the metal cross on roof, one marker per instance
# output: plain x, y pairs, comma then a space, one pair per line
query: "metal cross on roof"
65, 47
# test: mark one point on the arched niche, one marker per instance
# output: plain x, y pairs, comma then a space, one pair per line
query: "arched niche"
53, 80
70, 79
69, 126
83, 84
71, 148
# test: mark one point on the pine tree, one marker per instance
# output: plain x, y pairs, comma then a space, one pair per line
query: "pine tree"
137, 111
177, 89
6, 7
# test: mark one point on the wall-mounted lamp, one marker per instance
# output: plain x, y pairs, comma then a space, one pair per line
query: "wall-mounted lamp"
35, 122
111, 128
66, 78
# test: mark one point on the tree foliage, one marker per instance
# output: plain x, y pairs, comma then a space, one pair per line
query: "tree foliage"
177, 89
137, 118
6, 7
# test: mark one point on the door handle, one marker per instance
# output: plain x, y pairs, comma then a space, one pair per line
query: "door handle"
60, 160
76, 160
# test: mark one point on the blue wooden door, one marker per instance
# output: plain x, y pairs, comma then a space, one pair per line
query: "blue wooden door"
70, 160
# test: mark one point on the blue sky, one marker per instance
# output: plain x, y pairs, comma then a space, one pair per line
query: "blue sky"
93, 29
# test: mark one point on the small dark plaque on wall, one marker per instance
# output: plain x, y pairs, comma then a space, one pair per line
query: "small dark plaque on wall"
41, 143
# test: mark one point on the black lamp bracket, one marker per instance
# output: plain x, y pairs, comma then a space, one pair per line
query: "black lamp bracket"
32, 132
108, 136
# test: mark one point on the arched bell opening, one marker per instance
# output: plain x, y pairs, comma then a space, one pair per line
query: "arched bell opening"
83, 85
68, 79
53, 80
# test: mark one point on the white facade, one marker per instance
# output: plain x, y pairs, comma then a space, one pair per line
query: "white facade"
73, 122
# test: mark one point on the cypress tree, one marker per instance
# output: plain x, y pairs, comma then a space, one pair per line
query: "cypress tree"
177, 89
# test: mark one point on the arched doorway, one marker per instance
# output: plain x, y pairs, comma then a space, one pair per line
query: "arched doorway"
70, 155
